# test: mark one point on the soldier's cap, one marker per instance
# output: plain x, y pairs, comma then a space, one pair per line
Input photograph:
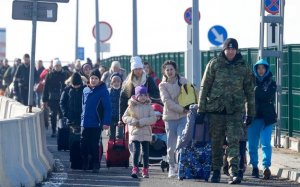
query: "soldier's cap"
230, 43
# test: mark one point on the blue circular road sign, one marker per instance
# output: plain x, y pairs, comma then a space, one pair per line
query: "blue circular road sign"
272, 6
217, 35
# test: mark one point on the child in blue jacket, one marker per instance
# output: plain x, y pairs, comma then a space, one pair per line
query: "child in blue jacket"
261, 128
96, 114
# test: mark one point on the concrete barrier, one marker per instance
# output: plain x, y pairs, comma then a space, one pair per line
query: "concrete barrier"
24, 158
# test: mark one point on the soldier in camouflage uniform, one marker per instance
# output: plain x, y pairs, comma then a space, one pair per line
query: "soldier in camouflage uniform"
227, 87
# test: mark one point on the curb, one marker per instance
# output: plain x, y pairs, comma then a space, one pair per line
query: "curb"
292, 174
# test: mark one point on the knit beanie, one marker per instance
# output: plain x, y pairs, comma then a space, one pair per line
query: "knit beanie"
116, 75
139, 90
76, 79
95, 72
230, 43
136, 63
56, 62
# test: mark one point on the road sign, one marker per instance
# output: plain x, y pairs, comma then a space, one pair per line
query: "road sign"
188, 16
80, 53
105, 30
217, 35
22, 10
272, 6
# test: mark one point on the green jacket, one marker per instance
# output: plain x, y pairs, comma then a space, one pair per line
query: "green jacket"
227, 87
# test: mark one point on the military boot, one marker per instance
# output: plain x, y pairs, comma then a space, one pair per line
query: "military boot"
216, 177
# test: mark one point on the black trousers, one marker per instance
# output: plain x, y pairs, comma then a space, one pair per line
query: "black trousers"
137, 152
54, 112
90, 145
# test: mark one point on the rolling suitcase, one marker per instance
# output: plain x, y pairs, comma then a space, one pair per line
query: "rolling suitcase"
63, 135
195, 159
117, 153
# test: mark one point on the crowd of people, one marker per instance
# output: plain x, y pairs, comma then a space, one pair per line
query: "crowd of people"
238, 101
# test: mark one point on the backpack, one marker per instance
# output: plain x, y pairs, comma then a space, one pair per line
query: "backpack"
187, 95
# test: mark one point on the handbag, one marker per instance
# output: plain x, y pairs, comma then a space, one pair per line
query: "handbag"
187, 95
39, 87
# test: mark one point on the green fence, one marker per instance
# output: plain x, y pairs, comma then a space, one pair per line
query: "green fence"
290, 119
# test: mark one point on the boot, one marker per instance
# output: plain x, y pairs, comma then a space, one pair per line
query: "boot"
267, 173
96, 168
216, 177
255, 173
241, 174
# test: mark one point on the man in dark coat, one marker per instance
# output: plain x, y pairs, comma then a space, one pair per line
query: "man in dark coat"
21, 80
54, 85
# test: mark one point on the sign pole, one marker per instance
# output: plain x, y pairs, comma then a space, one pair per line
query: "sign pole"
76, 30
134, 29
32, 62
97, 31
197, 66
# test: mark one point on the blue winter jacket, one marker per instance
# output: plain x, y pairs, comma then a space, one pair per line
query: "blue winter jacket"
96, 107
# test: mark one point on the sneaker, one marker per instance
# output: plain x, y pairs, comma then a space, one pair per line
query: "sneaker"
234, 180
216, 177
267, 173
255, 173
145, 173
172, 172
134, 172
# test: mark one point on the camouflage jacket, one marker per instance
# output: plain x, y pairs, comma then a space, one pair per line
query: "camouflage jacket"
227, 87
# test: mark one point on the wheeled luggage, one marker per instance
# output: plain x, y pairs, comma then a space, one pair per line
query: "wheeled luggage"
195, 159
117, 153
63, 133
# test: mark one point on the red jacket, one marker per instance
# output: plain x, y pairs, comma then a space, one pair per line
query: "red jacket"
159, 127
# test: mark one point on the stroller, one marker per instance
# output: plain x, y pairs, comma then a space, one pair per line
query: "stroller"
158, 146
158, 153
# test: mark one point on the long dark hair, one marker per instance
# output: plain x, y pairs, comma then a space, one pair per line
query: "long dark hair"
169, 62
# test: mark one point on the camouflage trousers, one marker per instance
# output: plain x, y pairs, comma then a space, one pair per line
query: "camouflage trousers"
229, 126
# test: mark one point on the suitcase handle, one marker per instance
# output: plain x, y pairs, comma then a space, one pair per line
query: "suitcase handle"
123, 139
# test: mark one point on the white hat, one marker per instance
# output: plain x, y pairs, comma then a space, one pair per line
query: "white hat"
56, 62
136, 63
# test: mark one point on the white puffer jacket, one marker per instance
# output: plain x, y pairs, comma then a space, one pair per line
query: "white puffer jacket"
139, 118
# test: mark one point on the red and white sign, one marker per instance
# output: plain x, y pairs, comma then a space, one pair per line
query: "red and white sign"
105, 31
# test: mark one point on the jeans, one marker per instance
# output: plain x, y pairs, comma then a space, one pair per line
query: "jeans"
116, 131
137, 151
54, 112
174, 130
258, 131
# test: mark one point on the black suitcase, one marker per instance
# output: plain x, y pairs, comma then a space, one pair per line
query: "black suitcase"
75, 155
63, 133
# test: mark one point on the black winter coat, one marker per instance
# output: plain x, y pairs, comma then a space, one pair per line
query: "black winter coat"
264, 100
54, 85
127, 92
71, 104
21, 79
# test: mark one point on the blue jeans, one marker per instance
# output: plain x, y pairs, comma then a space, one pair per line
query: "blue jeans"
258, 131
174, 130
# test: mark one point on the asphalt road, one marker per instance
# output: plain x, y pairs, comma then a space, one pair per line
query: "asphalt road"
65, 177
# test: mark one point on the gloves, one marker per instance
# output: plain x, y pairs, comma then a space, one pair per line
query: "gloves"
247, 120
200, 118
